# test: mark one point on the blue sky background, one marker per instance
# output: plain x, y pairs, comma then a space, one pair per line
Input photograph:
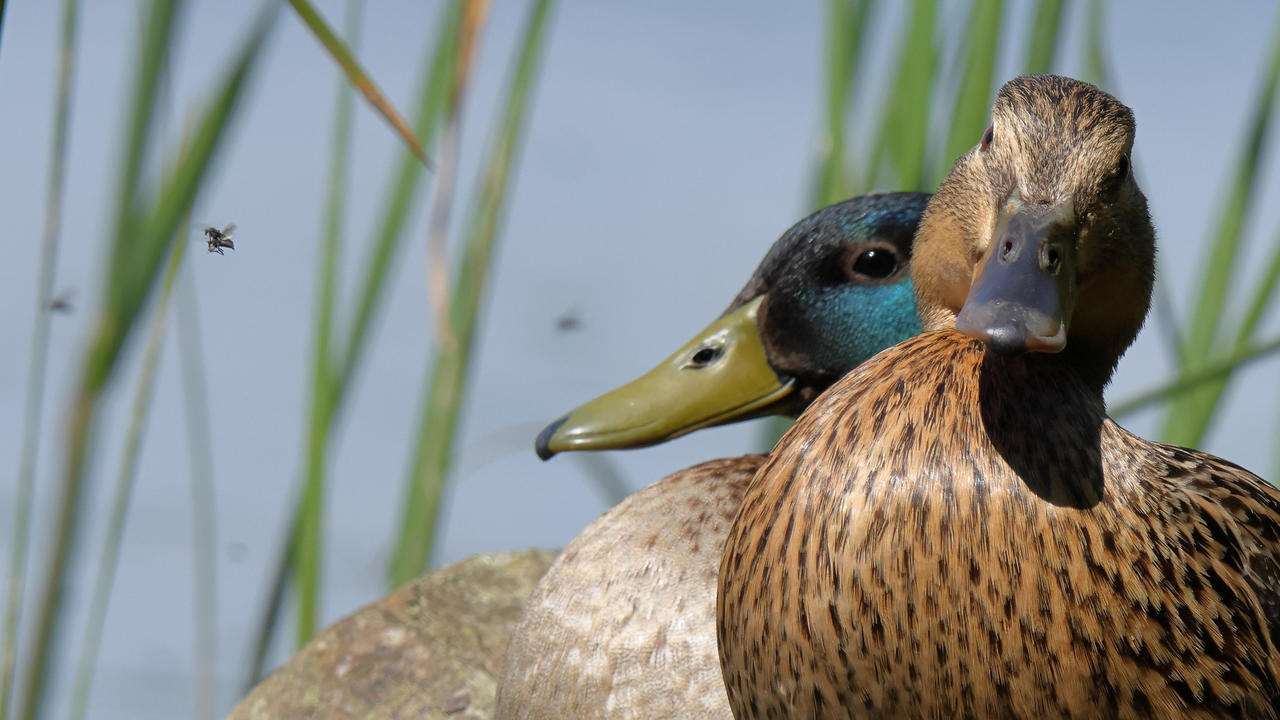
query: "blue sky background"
669, 145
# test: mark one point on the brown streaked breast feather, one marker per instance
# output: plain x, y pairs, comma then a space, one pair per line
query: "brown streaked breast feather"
932, 540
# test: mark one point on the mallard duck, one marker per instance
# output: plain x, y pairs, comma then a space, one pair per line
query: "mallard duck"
623, 624
956, 529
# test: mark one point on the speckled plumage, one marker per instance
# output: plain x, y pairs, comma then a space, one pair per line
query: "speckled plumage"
622, 625
989, 553
951, 532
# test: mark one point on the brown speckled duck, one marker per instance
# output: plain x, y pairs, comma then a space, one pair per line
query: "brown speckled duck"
623, 624
956, 529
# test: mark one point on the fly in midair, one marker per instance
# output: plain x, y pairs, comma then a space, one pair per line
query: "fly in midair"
219, 239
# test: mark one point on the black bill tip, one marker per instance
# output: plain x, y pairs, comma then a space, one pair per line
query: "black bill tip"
542, 445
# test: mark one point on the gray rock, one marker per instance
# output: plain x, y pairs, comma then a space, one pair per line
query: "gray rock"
432, 649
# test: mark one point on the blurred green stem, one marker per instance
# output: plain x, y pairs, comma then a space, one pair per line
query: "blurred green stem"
474, 14
121, 305
437, 422
119, 509
1189, 417
1046, 29
1096, 70
400, 202
357, 77
203, 498
389, 236
1214, 371
142, 238
904, 128
33, 414
973, 97
311, 519
846, 29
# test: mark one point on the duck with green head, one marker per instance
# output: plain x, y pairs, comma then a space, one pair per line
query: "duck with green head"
956, 529
623, 624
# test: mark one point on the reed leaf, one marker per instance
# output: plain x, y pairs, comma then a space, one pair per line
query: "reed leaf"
1096, 68
33, 407
357, 76
973, 98
396, 214
474, 15
846, 29
308, 546
443, 400
1190, 415
109, 556
903, 132
203, 502
101, 356
142, 238
1042, 42
1211, 372
1263, 296
326, 403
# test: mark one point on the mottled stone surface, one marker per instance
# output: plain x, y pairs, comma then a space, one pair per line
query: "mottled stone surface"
432, 649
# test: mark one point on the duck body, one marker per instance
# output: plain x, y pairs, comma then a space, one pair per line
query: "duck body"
623, 624
1055, 566
956, 529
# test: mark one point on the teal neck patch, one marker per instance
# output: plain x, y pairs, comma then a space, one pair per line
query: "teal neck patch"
850, 324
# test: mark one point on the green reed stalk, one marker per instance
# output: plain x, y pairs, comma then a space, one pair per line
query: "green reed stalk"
973, 98
357, 77
203, 501
142, 238
904, 131
846, 30
33, 412
1046, 31
443, 399
126, 477
1190, 415
308, 547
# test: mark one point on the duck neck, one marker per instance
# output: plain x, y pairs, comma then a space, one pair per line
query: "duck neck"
1093, 366
1044, 417
1032, 414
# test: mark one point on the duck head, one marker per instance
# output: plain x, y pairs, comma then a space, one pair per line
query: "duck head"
831, 292
1039, 240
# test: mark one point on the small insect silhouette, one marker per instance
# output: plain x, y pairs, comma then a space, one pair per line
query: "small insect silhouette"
61, 303
219, 239
570, 321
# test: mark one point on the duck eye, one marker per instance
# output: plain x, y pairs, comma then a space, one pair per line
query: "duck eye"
875, 263
987, 137
705, 355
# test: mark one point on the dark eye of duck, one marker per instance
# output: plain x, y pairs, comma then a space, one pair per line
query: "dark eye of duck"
1116, 180
875, 263
987, 137
705, 355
